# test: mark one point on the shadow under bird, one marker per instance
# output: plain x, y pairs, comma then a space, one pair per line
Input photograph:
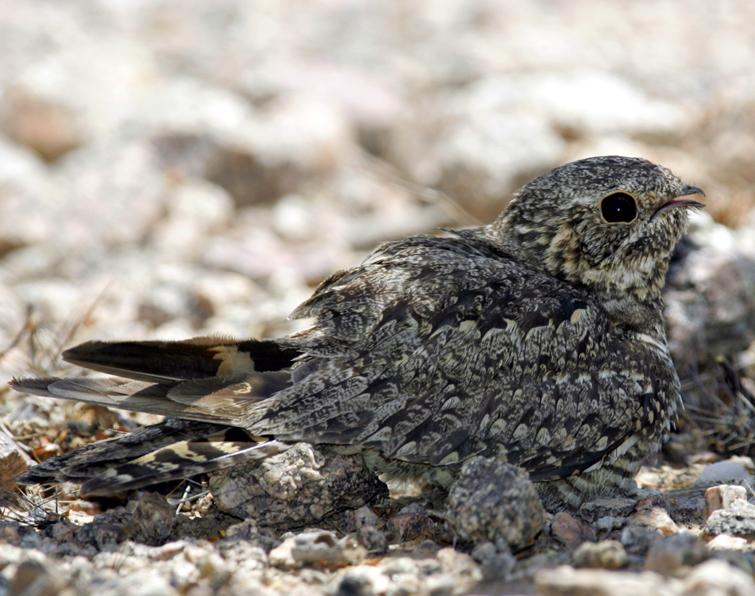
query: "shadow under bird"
537, 339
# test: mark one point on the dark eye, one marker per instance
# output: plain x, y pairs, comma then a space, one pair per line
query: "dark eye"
618, 208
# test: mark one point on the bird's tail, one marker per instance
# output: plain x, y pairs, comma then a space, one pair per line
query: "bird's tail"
208, 379
210, 384
198, 358
164, 452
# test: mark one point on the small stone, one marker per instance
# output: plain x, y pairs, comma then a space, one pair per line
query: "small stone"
727, 542
724, 472
374, 540
365, 517
718, 577
606, 554
637, 540
654, 517
564, 580
492, 500
317, 547
722, 496
458, 571
38, 578
569, 531
300, 486
362, 580
737, 520
413, 522
670, 554
496, 563
153, 519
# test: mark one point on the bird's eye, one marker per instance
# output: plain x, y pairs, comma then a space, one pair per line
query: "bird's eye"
619, 207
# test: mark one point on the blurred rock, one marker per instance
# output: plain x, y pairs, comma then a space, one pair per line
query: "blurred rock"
478, 154
48, 127
718, 577
710, 299
725, 542
594, 582
496, 560
737, 520
414, 522
297, 487
655, 517
668, 555
606, 554
451, 573
637, 540
722, 497
730, 470
570, 531
317, 547
40, 579
491, 501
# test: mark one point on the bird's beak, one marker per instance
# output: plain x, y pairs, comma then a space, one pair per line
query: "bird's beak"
684, 200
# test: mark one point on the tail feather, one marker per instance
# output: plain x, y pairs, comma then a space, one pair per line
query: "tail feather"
90, 460
210, 384
198, 358
161, 453
221, 400
175, 462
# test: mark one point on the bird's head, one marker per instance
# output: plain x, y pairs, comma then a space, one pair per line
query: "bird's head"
608, 223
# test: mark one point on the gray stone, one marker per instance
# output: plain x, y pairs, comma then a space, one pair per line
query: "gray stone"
491, 501
297, 487
596, 582
737, 520
718, 577
317, 547
606, 554
671, 553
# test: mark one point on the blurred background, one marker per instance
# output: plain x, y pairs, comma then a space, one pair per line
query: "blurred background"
179, 167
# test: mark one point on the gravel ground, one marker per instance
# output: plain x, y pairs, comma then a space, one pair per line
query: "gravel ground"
181, 168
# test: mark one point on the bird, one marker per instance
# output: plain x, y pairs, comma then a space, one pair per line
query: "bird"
537, 339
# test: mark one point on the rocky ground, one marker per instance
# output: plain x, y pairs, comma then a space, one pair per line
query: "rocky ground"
181, 168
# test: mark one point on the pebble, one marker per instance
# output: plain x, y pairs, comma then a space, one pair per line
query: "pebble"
570, 531
718, 577
564, 580
300, 486
317, 547
722, 497
668, 555
491, 501
727, 542
738, 520
653, 516
606, 554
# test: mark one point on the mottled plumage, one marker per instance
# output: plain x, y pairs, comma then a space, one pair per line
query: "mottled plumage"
537, 339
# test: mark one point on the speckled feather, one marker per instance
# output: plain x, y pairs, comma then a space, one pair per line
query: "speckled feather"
537, 339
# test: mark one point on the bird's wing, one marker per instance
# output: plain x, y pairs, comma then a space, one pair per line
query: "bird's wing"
439, 348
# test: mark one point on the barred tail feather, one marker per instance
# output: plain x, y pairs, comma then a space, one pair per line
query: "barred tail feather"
220, 400
177, 461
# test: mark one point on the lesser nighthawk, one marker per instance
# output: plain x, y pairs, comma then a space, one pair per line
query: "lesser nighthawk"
538, 339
